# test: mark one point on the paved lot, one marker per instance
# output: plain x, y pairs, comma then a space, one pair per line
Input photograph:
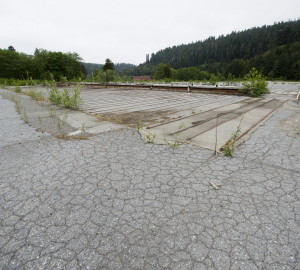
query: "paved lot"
205, 120
116, 202
126, 100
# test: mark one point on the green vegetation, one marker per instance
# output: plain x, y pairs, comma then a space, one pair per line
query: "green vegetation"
25, 117
16, 82
106, 73
118, 67
67, 98
138, 126
163, 71
174, 144
34, 94
71, 99
43, 65
18, 89
55, 95
150, 137
190, 74
255, 84
82, 129
229, 147
274, 50
109, 65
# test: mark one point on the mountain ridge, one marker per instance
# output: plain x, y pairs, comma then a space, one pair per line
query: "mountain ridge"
268, 48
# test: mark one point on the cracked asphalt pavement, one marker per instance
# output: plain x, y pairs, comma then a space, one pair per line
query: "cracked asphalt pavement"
115, 202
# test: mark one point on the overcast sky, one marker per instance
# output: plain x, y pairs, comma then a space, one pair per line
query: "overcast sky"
126, 30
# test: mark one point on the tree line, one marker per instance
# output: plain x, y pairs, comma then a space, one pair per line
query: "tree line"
273, 49
48, 66
43, 65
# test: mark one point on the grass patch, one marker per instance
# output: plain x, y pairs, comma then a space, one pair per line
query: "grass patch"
36, 95
18, 89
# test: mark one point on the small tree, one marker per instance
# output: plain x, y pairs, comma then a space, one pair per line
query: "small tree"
255, 84
11, 48
108, 65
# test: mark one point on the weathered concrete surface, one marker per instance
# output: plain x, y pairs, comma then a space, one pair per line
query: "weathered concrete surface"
57, 120
116, 202
115, 100
212, 129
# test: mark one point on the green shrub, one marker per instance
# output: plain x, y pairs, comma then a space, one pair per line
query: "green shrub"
67, 98
55, 95
213, 80
255, 84
71, 99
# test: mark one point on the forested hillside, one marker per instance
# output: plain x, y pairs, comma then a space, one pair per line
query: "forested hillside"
274, 50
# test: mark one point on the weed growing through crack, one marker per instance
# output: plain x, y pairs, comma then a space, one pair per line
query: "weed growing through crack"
17, 100
34, 94
150, 137
18, 104
173, 144
181, 127
25, 117
229, 147
138, 126
82, 129
176, 142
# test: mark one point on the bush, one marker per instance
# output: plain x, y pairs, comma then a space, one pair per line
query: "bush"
255, 84
55, 95
67, 98
213, 80
71, 99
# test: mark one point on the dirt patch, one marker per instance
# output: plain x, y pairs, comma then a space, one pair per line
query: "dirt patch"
73, 138
133, 119
292, 125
